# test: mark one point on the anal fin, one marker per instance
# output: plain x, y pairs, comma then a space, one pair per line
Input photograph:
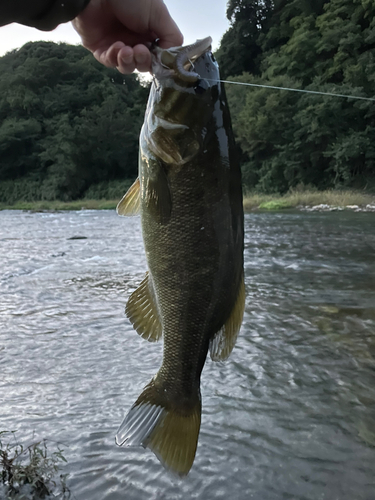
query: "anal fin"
224, 340
142, 311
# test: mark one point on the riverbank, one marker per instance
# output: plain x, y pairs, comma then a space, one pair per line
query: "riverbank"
40, 206
311, 200
305, 200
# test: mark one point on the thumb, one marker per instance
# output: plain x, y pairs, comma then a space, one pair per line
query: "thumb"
164, 27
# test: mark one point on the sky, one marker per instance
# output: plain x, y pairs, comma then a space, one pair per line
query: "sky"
196, 19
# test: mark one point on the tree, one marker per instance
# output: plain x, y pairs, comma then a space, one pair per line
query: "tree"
66, 121
239, 48
290, 138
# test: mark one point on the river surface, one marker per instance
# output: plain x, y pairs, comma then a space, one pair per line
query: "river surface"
291, 414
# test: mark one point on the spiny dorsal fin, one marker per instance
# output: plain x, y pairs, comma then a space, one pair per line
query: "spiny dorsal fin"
142, 311
171, 434
131, 201
223, 342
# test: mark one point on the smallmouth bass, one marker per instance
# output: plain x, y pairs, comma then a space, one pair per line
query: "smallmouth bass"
189, 196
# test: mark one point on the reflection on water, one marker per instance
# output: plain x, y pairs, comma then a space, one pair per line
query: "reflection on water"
291, 415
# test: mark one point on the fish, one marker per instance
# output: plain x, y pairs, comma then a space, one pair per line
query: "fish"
189, 195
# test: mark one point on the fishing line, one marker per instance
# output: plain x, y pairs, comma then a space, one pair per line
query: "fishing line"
295, 90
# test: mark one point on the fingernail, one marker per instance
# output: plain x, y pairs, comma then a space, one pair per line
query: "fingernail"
141, 58
127, 59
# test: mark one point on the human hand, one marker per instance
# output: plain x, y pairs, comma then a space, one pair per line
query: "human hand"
119, 32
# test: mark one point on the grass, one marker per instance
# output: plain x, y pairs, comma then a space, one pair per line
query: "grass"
297, 198
252, 201
275, 205
30, 472
39, 206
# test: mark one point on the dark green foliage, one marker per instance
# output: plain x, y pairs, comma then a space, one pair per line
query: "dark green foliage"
67, 122
69, 127
240, 46
30, 471
288, 139
108, 190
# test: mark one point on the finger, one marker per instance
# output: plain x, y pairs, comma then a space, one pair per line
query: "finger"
101, 56
142, 58
109, 57
164, 27
125, 60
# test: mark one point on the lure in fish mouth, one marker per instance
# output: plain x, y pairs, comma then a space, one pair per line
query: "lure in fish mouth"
179, 61
189, 196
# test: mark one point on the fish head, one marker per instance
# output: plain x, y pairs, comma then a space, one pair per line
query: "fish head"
183, 96
179, 62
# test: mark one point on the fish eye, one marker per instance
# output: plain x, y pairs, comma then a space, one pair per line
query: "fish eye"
201, 86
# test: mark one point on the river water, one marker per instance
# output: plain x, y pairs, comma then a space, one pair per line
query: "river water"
291, 414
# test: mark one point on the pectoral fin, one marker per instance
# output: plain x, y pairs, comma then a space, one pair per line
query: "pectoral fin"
142, 311
131, 201
223, 342
157, 196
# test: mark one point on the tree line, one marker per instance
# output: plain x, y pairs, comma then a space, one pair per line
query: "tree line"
69, 127
287, 138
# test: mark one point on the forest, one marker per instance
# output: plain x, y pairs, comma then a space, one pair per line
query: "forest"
288, 138
69, 127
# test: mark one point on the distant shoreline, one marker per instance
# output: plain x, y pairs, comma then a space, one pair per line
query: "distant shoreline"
328, 200
306, 200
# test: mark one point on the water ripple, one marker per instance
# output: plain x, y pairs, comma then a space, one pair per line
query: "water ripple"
291, 415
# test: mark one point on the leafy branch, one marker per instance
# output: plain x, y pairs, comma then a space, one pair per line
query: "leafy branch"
30, 471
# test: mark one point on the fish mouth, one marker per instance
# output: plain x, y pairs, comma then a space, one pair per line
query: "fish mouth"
179, 61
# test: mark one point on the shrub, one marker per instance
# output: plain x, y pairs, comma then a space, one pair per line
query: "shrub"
29, 472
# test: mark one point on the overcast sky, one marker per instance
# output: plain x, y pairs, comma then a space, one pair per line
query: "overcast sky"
196, 19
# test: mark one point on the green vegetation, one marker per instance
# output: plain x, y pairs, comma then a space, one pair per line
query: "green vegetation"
287, 138
240, 48
29, 472
300, 198
69, 127
275, 205
293, 199
39, 206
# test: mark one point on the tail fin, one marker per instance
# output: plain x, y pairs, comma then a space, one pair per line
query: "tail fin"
171, 433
